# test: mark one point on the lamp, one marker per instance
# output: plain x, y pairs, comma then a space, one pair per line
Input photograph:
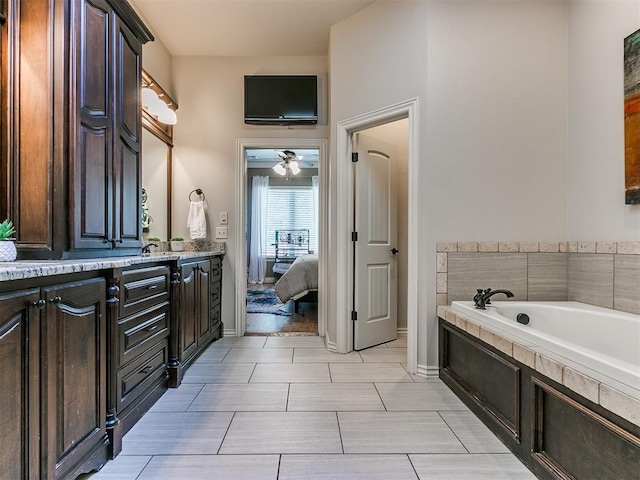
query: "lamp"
289, 164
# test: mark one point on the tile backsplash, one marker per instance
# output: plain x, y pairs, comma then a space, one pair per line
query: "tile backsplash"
605, 274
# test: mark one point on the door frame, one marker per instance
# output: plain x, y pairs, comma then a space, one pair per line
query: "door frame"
344, 223
242, 144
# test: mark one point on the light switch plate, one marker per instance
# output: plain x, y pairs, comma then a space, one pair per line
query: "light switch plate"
221, 232
224, 218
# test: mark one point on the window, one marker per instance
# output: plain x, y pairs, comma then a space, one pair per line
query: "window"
291, 208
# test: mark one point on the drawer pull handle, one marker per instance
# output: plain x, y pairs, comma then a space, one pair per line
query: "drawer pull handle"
55, 300
151, 328
152, 287
40, 304
146, 369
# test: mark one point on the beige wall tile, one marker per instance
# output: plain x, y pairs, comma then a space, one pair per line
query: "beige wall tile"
572, 247
469, 271
441, 262
467, 246
447, 246
524, 355
581, 384
549, 368
442, 312
441, 299
441, 283
525, 247
590, 279
487, 336
508, 247
504, 345
488, 247
461, 323
586, 247
473, 329
564, 246
606, 247
450, 316
629, 248
547, 277
620, 404
626, 278
549, 247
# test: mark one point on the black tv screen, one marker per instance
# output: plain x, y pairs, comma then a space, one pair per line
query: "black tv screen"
280, 99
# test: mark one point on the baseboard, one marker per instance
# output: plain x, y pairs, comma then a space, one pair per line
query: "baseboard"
229, 332
427, 371
402, 331
331, 346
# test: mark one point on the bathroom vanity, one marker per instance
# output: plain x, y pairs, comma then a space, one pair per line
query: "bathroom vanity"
88, 346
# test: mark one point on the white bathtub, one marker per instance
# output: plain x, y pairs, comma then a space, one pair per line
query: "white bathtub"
604, 340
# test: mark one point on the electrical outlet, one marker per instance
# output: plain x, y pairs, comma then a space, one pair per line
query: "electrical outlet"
224, 218
221, 232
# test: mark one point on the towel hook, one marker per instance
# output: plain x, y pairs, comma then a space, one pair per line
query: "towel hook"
199, 192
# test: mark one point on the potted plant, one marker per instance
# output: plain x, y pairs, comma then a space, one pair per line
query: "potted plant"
177, 244
8, 251
154, 244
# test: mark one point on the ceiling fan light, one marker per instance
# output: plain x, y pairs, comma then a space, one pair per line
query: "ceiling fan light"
279, 169
295, 169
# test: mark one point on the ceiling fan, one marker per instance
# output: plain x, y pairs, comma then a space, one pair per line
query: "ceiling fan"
289, 165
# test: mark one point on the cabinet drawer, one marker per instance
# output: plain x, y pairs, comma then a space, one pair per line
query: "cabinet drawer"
135, 378
215, 315
139, 332
216, 270
215, 293
143, 288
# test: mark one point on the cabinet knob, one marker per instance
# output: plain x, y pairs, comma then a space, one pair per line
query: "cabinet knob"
55, 300
40, 304
146, 369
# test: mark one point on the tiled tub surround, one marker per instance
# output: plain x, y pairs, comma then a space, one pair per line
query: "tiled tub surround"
605, 274
533, 380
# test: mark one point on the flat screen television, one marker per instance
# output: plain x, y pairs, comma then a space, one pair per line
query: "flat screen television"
281, 99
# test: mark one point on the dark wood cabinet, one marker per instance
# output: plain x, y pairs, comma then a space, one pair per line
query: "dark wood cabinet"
75, 183
53, 341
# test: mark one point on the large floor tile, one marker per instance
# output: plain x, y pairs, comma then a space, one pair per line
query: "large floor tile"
208, 467
470, 467
241, 397
418, 396
219, 373
472, 432
291, 372
346, 467
255, 355
177, 399
124, 467
400, 342
383, 354
368, 372
240, 342
282, 432
295, 342
310, 397
397, 432
313, 355
212, 355
192, 433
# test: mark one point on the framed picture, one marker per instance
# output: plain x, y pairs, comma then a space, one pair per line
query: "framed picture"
632, 117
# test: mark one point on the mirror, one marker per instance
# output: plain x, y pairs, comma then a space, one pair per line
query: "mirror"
157, 145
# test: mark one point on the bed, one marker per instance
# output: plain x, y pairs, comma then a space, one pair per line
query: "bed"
300, 282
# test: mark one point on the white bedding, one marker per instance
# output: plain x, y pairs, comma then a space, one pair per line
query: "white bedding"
299, 279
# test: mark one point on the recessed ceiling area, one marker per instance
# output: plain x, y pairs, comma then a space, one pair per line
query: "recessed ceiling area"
246, 27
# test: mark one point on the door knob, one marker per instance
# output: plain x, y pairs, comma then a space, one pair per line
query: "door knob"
394, 250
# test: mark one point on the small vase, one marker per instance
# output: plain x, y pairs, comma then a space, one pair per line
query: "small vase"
8, 251
177, 245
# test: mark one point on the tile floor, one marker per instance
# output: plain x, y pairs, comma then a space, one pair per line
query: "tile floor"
285, 408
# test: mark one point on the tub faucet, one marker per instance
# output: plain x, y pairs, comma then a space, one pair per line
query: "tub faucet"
483, 297
147, 248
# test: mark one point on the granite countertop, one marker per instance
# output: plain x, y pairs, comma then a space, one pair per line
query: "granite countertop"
22, 269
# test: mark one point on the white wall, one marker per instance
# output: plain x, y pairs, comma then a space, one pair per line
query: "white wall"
493, 120
596, 208
210, 92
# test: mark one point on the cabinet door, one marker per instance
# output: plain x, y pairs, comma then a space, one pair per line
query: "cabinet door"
19, 377
93, 150
74, 363
189, 311
203, 318
127, 177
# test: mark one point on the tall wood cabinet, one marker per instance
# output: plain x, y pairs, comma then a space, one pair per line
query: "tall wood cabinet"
53, 353
73, 163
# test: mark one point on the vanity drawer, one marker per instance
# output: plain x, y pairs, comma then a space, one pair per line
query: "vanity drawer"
143, 288
216, 270
215, 294
215, 316
138, 332
134, 379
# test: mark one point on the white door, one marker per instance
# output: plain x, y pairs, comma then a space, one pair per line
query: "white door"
375, 223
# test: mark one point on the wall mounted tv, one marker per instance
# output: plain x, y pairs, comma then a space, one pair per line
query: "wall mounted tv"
281, 99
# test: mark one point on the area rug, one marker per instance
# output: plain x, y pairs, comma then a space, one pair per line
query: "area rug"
266, 301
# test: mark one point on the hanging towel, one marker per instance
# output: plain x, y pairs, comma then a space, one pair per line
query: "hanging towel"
196, 221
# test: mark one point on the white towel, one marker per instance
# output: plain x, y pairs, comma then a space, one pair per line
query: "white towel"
196, 221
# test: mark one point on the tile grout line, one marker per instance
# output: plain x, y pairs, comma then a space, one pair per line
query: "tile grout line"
380, 396
413, 466
145, 466
194, 397
224, 437
340, 432
452, 431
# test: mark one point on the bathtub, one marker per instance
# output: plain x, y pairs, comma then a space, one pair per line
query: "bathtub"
603, 340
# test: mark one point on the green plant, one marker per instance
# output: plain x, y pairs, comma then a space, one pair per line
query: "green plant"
177, 239
153, 239
7, 230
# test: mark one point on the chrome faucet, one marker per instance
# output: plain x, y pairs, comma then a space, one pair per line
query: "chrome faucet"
483, 297
147, 248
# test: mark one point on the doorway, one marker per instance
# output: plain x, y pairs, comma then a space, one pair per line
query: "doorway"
344, 224
308, 309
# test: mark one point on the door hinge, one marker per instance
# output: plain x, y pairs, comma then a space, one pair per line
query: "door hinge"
354, 316
354, 236
354, 157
